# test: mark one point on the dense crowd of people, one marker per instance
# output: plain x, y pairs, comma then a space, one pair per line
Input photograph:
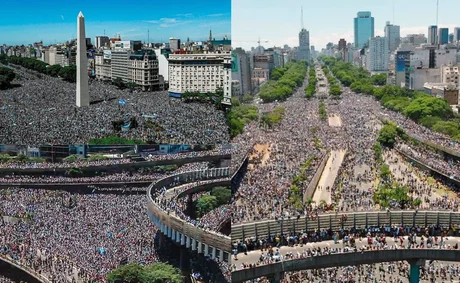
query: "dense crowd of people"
42, 110
84, 235
264, 192
435, 160
305, 245
125, 176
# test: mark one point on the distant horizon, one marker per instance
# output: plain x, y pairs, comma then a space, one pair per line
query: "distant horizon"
53, 23
331, 20
94, 39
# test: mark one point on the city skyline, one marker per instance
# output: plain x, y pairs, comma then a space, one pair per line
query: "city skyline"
50, 23
279, 25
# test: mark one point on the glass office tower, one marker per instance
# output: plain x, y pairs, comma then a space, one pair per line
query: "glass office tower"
364, 29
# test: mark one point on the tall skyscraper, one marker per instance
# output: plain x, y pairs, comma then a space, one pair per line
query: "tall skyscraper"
364, 28
342, 44
392, 33
303, 52
451, 37
82, 64
432, 35
443, 36
456, 34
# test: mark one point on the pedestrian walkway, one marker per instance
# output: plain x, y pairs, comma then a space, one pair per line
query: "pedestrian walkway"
328, 177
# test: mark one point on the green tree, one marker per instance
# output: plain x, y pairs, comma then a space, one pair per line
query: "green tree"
153, 273
74, 172
111, 140
118, 82
387, 135
379, 79
205, 204
377, 151
385, 173
223, 195
161, 273
247, 98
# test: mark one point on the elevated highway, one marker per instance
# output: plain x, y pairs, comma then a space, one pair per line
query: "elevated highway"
185, 233
39, 277
415, 257
358, 220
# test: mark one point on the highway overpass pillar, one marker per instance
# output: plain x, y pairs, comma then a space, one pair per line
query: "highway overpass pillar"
414, 273
184, 260
276, 277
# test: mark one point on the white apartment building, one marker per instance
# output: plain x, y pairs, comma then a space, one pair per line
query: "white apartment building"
377, 59
103, 66
163, 63
119, 64
449, 74
143, 70
205, 72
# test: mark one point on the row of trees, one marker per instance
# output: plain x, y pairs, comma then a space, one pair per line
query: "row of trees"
310, 90
273, 117
6, 77
299, 182
334, 87
68, 73
114, 140
196, 96
219, 196
322, 111
283, 82
429, 111
21, 158
389, 192
240, 115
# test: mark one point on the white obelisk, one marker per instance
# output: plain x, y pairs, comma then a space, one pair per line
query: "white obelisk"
82, 64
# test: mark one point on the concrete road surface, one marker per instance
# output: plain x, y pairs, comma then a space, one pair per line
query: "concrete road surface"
328, 177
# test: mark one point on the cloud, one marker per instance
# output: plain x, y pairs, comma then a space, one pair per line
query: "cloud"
216, 23
184, 15
62, 17
168, 22
215, 15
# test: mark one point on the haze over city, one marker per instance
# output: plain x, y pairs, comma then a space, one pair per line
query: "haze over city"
279, 22
52, 22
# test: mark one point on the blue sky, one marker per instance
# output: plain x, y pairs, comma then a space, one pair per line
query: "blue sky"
329, 20
24, 22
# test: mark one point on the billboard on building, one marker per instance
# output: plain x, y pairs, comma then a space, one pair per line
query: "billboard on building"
108, 54
234, 63
401, 57
123, 44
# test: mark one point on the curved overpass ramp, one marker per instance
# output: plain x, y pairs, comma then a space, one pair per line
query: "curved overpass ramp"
185, 233
345, 259
28, 270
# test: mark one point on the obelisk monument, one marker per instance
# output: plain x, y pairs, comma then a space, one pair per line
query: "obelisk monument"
82, 63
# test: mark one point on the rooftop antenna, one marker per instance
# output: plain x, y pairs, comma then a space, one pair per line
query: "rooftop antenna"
148, 37
301, 16
437, 12
104, 32
393, 13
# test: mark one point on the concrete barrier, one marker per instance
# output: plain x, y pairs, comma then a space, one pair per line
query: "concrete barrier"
345, 259
358, 220
116, 167
24, 268
310, 191
208, 237
427, 167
